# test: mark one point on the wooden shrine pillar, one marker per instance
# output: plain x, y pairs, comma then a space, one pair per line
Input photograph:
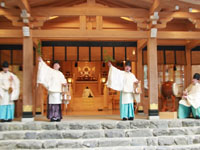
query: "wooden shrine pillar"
188, 68
152, 78
27, 78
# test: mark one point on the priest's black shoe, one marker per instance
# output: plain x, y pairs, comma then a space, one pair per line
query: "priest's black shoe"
124, 119
131, 118
52, 120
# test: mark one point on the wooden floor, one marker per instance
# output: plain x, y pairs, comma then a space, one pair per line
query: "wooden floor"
92, 113
89, 115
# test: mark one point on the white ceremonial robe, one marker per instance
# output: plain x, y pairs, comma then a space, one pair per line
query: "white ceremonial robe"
52, 80
5, 84
122, 81
193, 97
87, 93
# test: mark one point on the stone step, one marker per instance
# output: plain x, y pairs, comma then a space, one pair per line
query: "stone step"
98, 133
176, 147
184, 147
161, 143
95, 124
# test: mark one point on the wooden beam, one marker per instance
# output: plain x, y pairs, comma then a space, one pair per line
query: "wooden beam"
193, 44
141, 43
179, 15
178, 35
99, 22
74, 33
75, 25
82, 23
113, 3
89, 34
139, 3
10, 3
9, 15
155, 7
11, 40
23, 4
196, 22
91, 2
166, 17
89, 25
169, 5
89, 11
11, 34
185, 5
195, 2
11, 11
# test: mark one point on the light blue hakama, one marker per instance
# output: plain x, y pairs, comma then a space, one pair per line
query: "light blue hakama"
184, 111
7, 112
126, 110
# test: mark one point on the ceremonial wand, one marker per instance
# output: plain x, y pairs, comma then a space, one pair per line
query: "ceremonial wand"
107, 57
39, 49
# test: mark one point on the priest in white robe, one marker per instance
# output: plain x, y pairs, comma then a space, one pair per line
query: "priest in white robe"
123, 81
9, 92
190, 102
87, 93
53, 80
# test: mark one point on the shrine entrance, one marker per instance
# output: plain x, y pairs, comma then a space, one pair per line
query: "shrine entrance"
83, 64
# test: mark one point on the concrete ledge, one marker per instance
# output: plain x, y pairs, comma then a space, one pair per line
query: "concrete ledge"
27, 119
154, 117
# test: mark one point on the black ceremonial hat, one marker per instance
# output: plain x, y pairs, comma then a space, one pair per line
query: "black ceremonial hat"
196, 76
5, 64
128, 63
55, 62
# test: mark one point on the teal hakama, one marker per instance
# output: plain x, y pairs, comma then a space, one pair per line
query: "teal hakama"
184, 111
126, 110
7, 112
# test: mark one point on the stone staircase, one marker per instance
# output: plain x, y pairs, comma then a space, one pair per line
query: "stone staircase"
102, 135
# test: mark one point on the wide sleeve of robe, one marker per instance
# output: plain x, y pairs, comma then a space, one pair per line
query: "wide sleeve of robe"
194, 97
91, 93
3, 86
115, 79
16, 88
189, 88
44, 74
63, 80
15, 85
